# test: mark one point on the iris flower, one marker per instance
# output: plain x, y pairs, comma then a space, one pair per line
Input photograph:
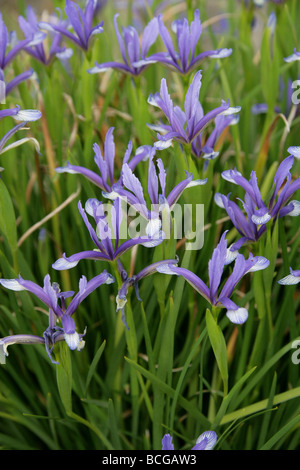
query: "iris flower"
106, 163
10, 47
220, 258
185, 59
130, 189
106, 237
185, 126
30, 26
131, 51
206, 441
258, 213
51, 296
7, 56
80, 21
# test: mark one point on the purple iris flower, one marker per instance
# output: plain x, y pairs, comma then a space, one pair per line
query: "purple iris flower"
291, 279
206, 441
106, 162
252, 224
5, 41
107, 236
130, 189
30, 26
51, 296
80, 21
185, 59
25, 115
220, 258
185, 126
130, 49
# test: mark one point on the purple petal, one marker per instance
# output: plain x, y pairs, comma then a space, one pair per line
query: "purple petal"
261, 216
295, 151
166, 39
89, 174
282, 172
216, 266
100, 68
18, 79
206, 441
236, 275
256, 263
176, 192
191, 101
149, 36
132, 183
72, 261
291, 279
120, 40
92, 232
211, 115
292, 209
167, 442
22, 284
109, 153
148, 242
196, 30
293, 57
73, 13
86, 288
238, 316
189, 276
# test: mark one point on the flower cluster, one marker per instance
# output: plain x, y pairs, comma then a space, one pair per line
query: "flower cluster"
253, 223
54, 299
184, 60
185, 127
138, 182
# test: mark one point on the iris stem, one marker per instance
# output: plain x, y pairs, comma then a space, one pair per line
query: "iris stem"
131, 340
189, 6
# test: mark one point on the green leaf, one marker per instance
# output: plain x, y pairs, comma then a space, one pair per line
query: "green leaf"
231, 395
269, 67
114, 427
64, 375
185, 403
218, 344
7, 217
94, 365
281, 433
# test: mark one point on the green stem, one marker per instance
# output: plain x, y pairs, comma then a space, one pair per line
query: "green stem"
131, 341
189, 7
